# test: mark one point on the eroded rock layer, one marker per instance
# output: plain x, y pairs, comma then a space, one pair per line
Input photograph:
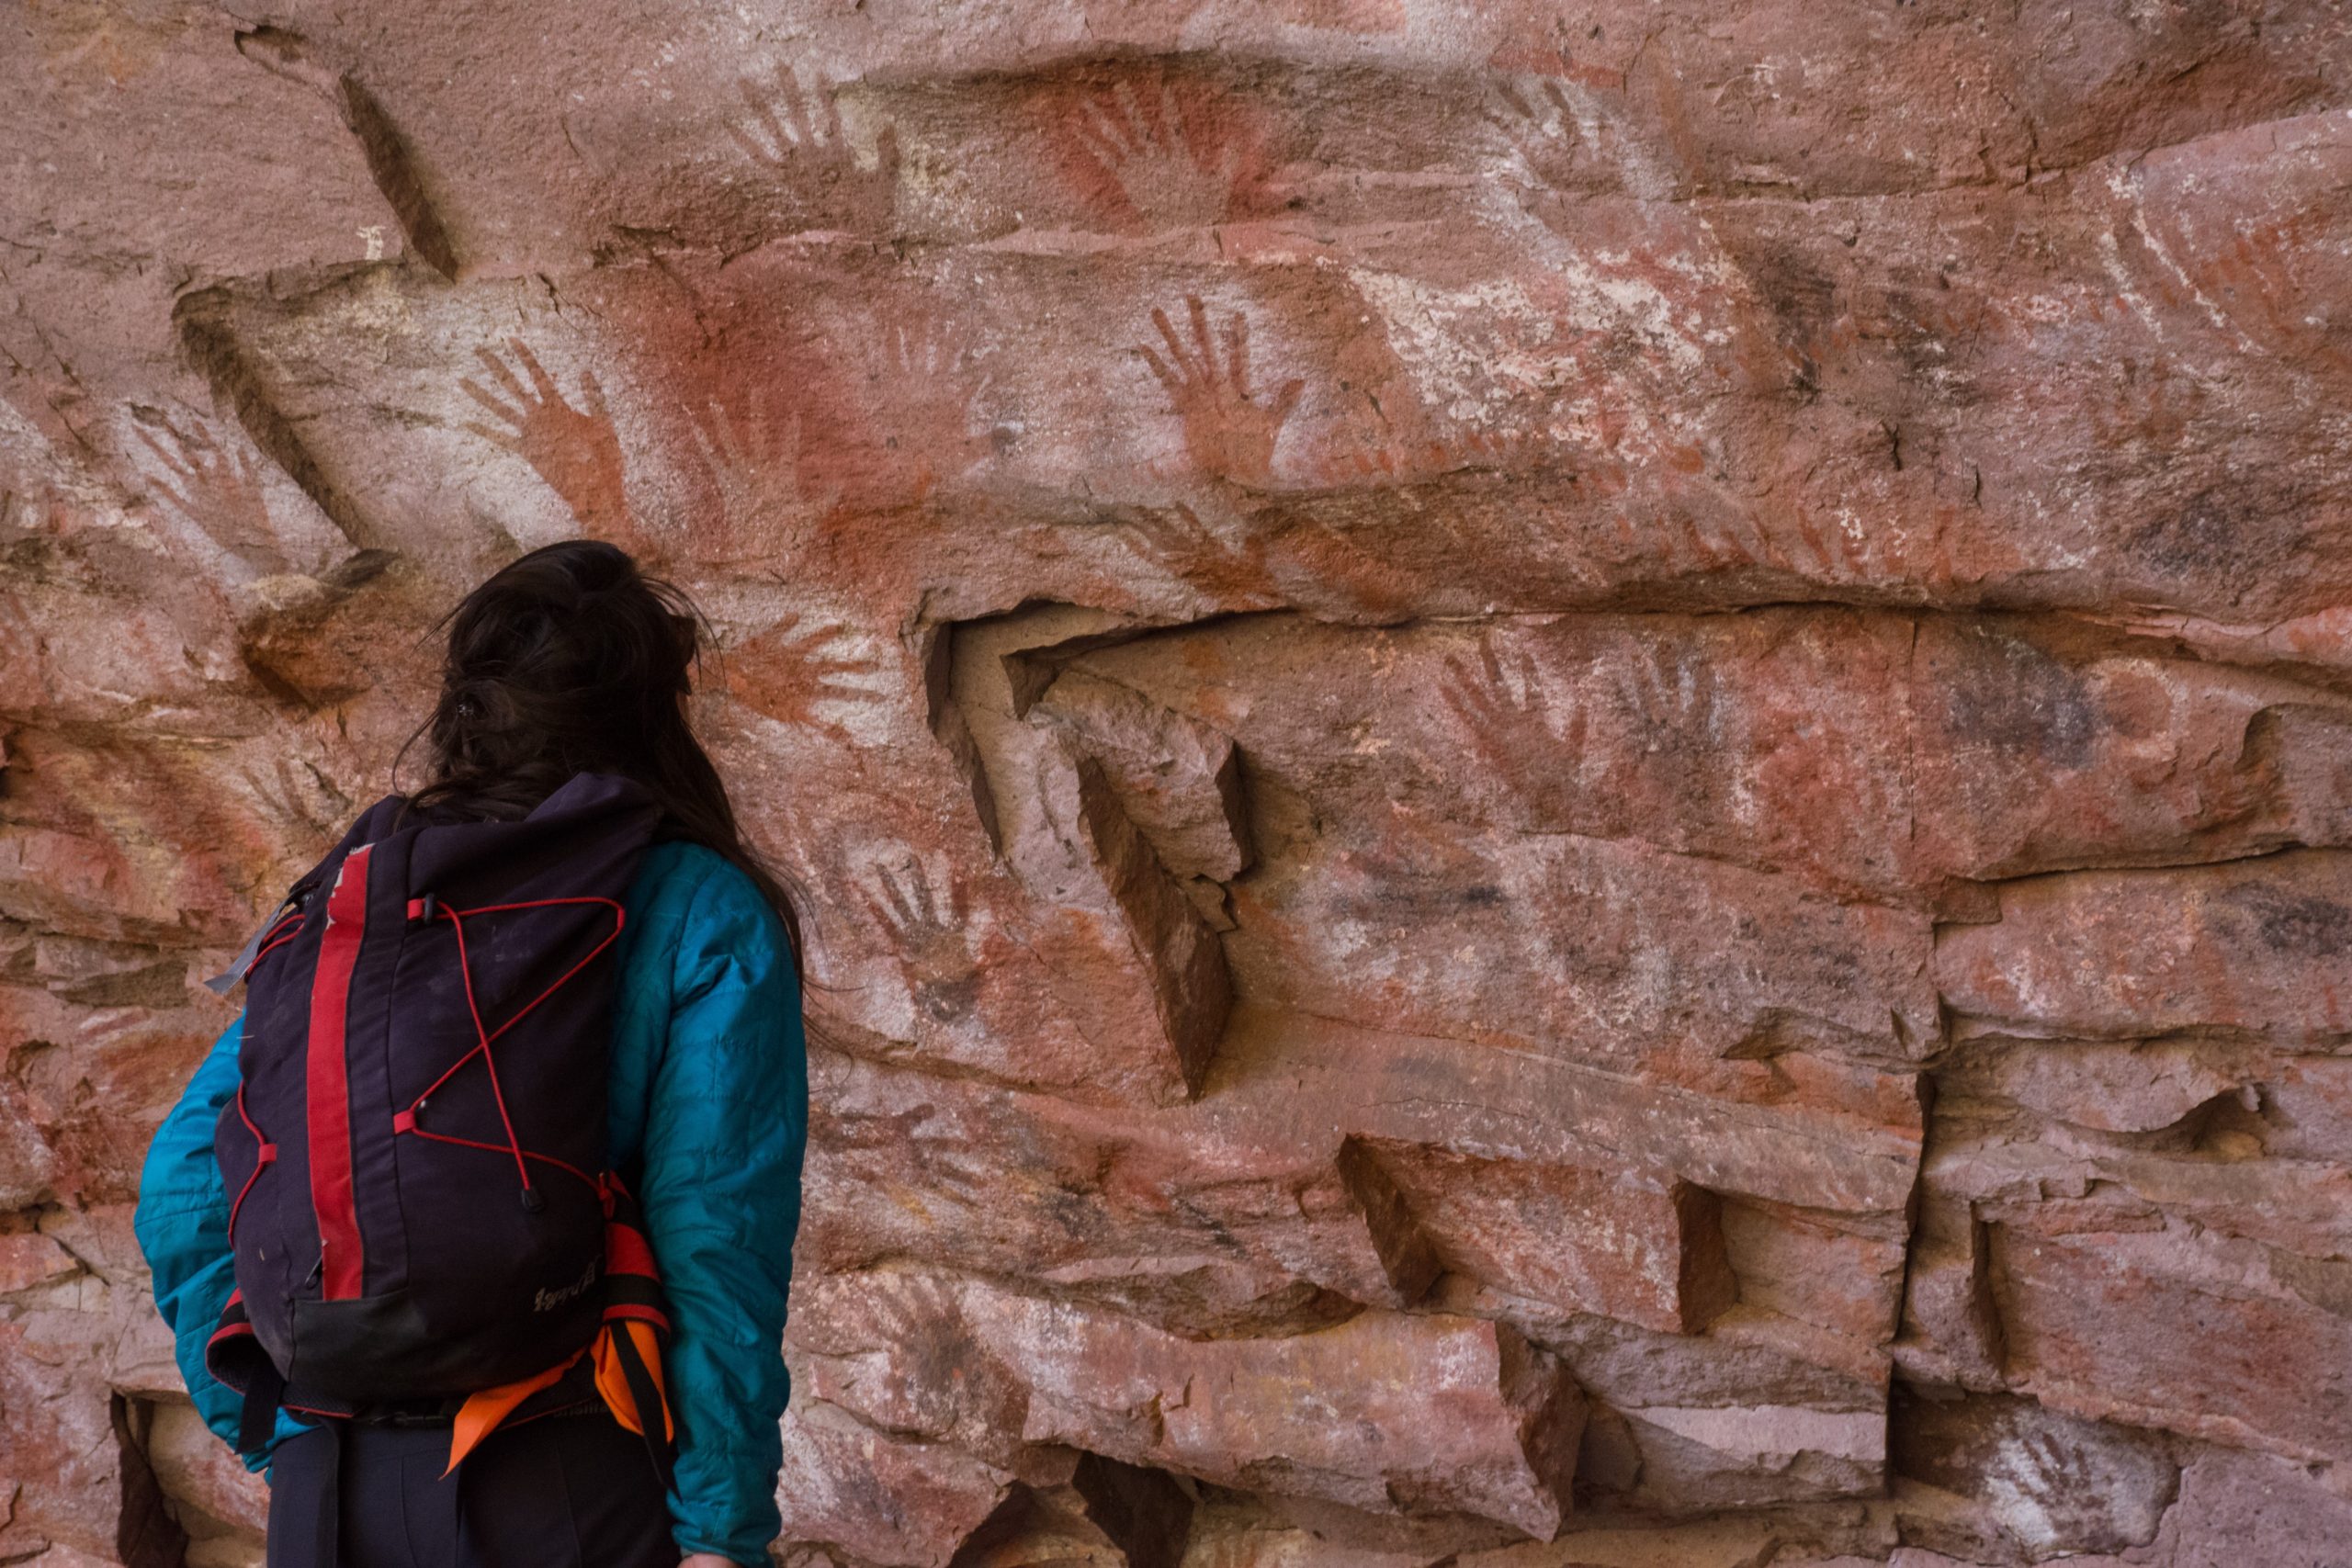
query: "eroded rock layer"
1576, 779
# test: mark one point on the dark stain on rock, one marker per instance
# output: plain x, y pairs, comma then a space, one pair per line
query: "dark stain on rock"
2009, 695
2238, 537
2302, 925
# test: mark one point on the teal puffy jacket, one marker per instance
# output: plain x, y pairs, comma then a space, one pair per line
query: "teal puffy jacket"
709, 1118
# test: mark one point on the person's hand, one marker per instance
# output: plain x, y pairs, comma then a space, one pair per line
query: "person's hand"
705, 1559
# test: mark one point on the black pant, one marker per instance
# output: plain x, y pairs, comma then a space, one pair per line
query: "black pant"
554, 1492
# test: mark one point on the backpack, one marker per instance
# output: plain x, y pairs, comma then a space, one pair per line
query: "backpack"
422, 1215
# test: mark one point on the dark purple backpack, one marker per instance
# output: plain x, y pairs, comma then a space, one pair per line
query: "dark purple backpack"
417, 1152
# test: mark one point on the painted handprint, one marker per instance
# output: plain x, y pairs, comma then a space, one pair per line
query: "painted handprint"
575, 450
924, 385
1670, 694
928, 918
750, 452
789, 674
1539, 119
1179, 542
938, 1377
798, 133
216, 490
1509, 723
1228, 434
1171, 161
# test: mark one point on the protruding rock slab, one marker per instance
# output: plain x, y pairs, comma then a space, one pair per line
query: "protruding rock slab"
1385, 1412
2004, 1480
1583, 1239
2262, 947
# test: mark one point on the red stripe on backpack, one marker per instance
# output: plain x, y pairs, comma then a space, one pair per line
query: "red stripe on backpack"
330, 1093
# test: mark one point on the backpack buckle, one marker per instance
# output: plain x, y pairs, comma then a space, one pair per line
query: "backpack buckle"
427, 908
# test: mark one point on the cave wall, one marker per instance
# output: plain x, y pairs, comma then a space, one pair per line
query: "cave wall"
1577, 779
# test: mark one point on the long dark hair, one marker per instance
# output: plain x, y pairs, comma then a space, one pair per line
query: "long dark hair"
570, 658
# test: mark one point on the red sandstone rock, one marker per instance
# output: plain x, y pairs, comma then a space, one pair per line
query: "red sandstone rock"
2006, 1480
887, 1500
2218, 1339
2260, 947
1653, 693
1579, 1240
1384, 1412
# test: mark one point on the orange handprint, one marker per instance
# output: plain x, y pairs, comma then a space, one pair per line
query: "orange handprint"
1189, 551
785, 672
926, 385
1227, 433
576, 451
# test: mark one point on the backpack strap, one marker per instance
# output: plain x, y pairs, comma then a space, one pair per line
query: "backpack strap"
369, 827
629, 1352
280, 923
637, 1326
258, 1419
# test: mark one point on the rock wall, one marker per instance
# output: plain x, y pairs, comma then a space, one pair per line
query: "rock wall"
1577, 778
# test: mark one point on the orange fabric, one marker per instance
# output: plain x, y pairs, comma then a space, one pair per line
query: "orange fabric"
485, 1408
613, 1383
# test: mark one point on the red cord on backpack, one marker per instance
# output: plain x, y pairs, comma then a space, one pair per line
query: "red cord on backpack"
428, 908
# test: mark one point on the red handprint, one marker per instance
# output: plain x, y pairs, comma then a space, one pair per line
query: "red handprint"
576, 451
1227, 433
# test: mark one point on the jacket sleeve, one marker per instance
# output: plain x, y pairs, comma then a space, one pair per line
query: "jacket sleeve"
726, 1127
182, 1224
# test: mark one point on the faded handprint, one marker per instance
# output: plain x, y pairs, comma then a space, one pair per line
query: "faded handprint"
576, 451
752, 455
800, 133
2037, 1481
938, 1376
920, 1319
1670, 694
1509, 724
922, 406
1156, 155
218, 491
932, 928
1186, 548
1227, 433
1540, 121
786, 674
2258, 287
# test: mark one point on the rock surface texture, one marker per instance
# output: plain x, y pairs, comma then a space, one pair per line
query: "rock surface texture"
1577, 779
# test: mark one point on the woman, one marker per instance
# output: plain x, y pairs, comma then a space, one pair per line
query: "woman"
570, 660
